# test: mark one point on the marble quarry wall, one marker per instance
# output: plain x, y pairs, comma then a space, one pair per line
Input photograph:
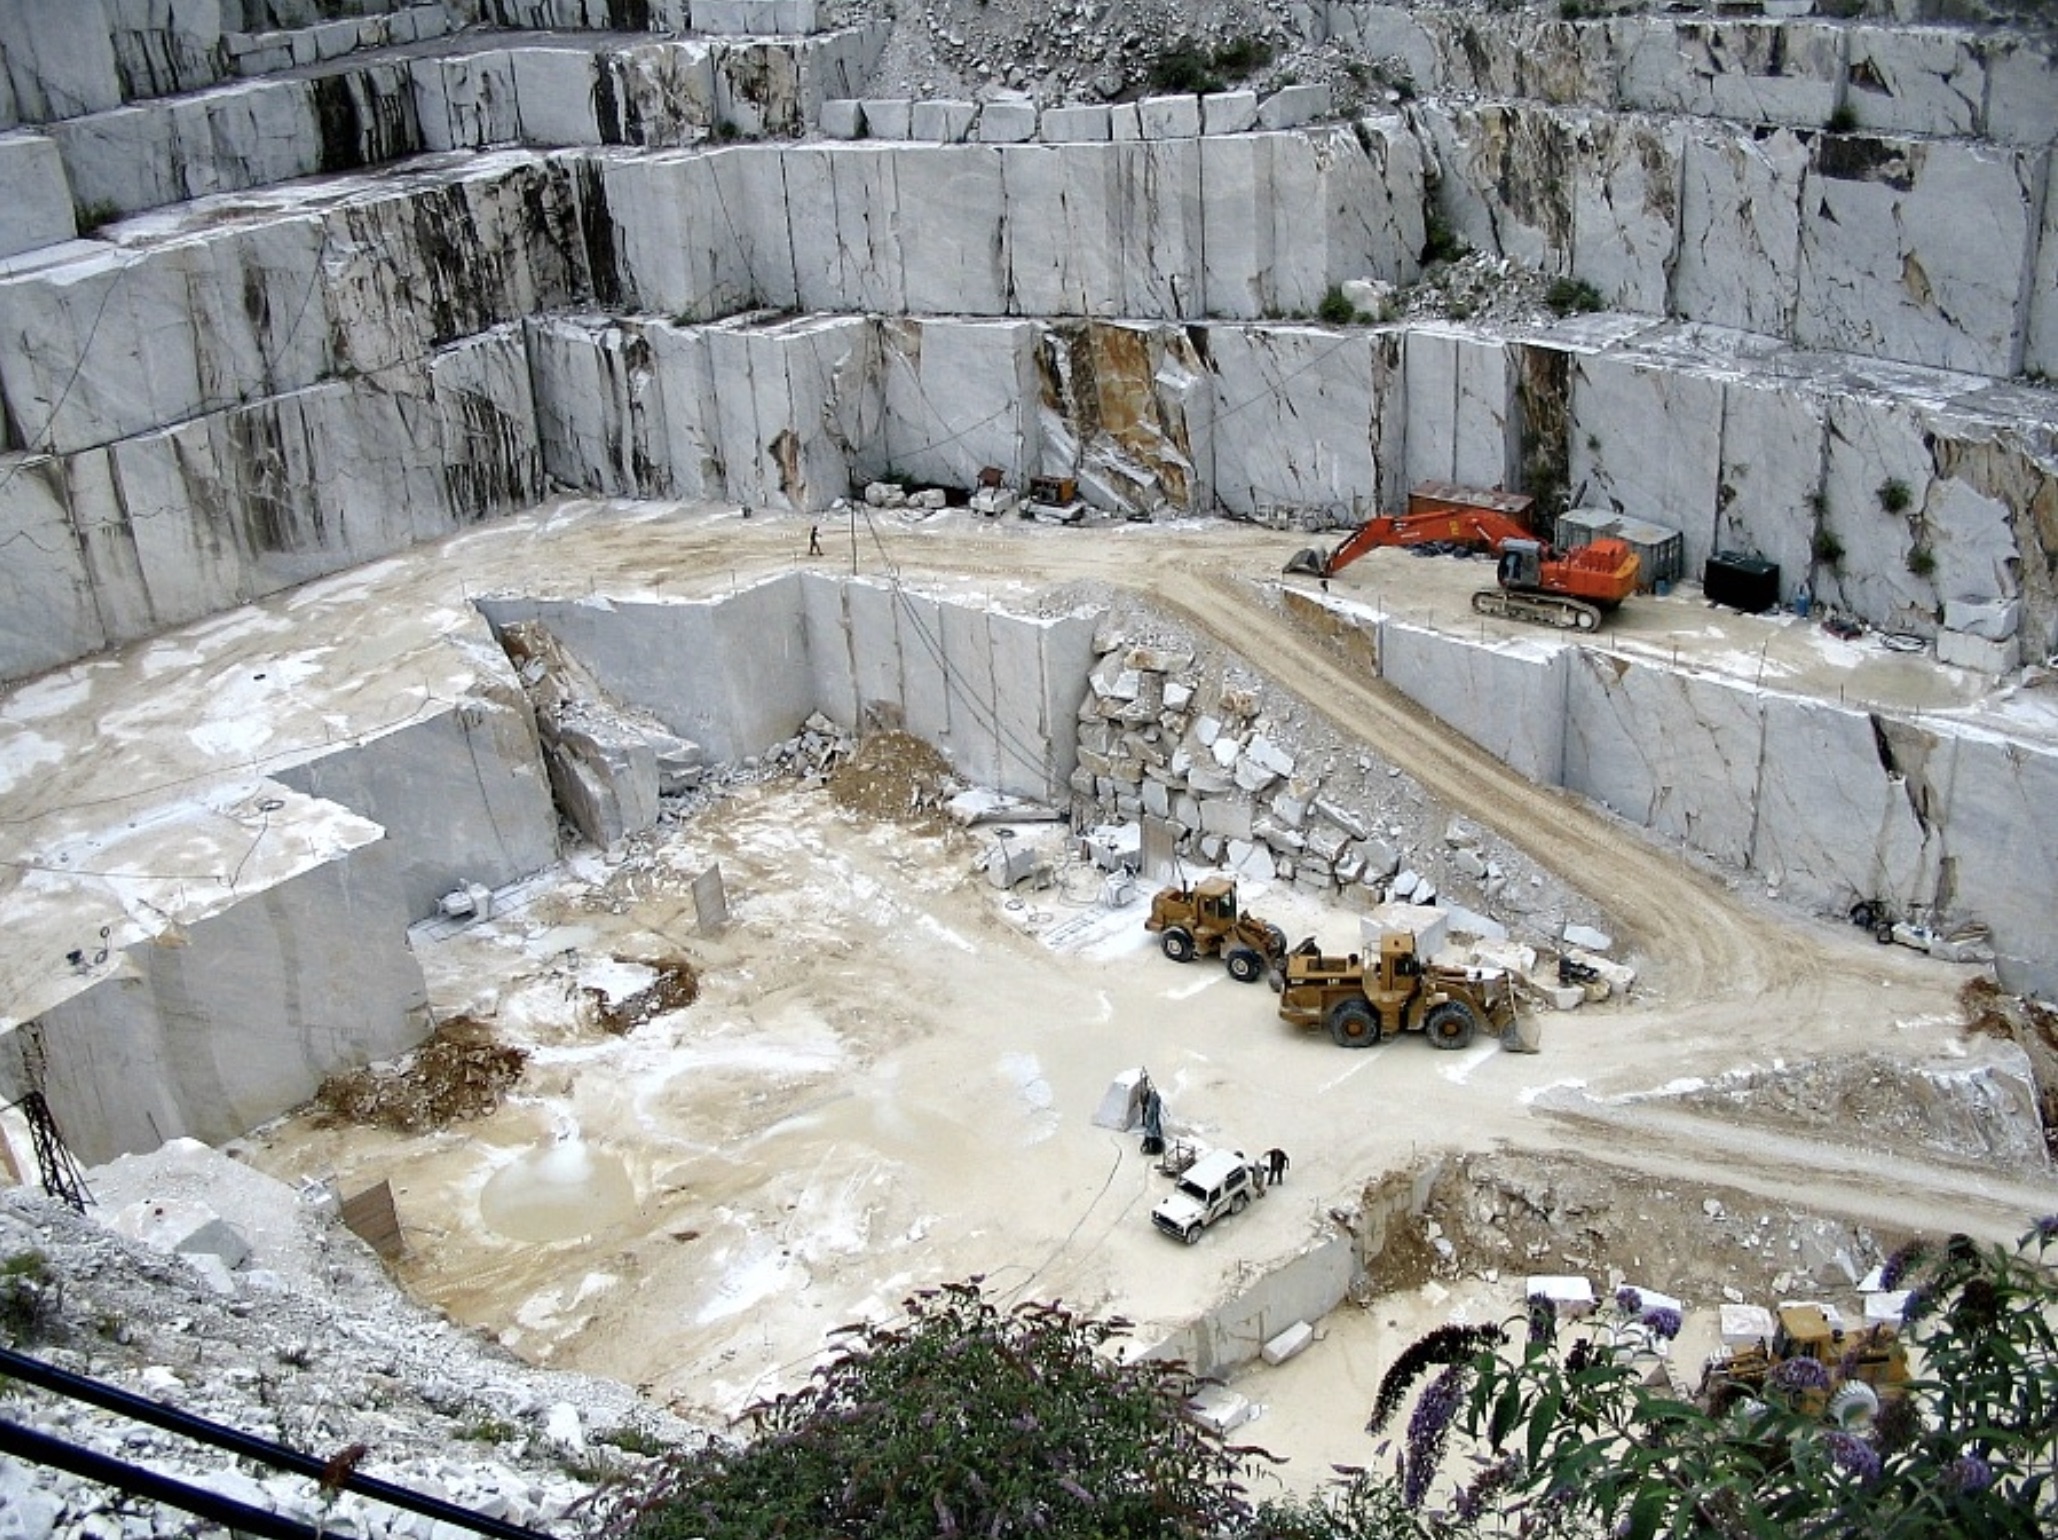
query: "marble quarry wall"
1825, 803
1793, 72
325, 373
1822, 802
1887, 246
1766, 449
1770, 449
997, 693
206, 1006
1235, 1330
236, 1009
143, 118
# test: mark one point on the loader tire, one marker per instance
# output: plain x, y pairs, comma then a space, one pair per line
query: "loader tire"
1450, 1025
1854, 1405
1177, 944
1245, 966
1352, 1024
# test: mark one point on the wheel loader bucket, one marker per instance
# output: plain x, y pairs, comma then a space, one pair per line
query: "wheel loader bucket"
1311, 561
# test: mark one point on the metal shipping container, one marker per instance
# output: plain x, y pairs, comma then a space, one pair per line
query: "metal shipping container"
1659, 551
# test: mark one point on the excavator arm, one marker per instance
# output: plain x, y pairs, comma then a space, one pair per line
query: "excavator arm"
1482, 528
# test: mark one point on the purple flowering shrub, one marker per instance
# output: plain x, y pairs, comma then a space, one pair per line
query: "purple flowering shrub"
1576, 1436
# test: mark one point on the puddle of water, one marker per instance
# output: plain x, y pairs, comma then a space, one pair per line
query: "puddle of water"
557, 1193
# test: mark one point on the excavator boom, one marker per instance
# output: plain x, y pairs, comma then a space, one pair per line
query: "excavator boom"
1536, 583
1426, 522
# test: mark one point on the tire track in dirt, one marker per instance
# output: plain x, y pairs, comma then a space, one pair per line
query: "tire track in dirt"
1929, 1193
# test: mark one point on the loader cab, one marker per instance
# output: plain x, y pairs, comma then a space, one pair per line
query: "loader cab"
1521, 564
1397, 962
1214, 902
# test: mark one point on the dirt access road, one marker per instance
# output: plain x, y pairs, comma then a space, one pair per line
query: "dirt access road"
1735, 973
888, 1076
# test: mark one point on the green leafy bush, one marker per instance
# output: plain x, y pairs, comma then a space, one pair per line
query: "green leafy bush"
1827, 548
1922, 561
1184, 69
974, 1420
966, 1420
1441, 243
1566, 295
1335, 308
29, 1294
1895, 496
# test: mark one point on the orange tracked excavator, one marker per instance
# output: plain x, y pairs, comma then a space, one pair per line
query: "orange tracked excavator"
1570, 589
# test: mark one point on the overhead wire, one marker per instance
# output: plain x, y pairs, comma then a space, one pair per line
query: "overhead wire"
1027, 755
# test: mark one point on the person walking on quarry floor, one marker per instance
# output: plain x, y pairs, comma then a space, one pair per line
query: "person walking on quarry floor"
1276, 1163
814, 540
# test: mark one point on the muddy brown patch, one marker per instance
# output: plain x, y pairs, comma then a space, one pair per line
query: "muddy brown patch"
459, 1074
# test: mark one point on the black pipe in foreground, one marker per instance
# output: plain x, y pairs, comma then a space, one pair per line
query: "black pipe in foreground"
42, 1449
335, 1474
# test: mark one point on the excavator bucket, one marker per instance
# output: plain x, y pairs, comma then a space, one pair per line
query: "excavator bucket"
1312, 561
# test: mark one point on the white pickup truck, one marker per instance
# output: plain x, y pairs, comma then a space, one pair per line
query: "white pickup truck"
1216, 1184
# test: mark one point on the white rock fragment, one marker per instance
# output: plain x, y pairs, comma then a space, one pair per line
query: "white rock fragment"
1288, 1343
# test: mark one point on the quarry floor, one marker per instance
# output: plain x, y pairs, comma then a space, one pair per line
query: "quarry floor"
888, 1077
889, 1074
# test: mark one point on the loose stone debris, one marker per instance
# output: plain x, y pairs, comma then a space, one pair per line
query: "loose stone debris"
462, 1072
894, 775
303, 1341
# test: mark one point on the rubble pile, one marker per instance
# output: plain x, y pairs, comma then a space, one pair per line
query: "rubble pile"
1110, 50
609, 763
1247, 780
814, 753
1983, 1111
460, 1073
1529, 1214
895, 775
1095, 51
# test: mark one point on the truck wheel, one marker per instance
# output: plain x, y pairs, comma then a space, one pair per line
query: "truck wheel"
1245, 966
1352, 1024
1177, 944
1192, 1235
1854, 1405
1239, 1203
1275, 939
1451, 1024
1885, 934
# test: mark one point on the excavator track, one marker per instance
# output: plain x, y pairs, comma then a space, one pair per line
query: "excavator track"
1541, 609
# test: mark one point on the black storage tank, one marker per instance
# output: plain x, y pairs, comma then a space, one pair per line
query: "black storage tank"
1747, 583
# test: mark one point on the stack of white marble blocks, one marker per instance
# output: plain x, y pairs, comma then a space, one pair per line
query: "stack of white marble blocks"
1017, 120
